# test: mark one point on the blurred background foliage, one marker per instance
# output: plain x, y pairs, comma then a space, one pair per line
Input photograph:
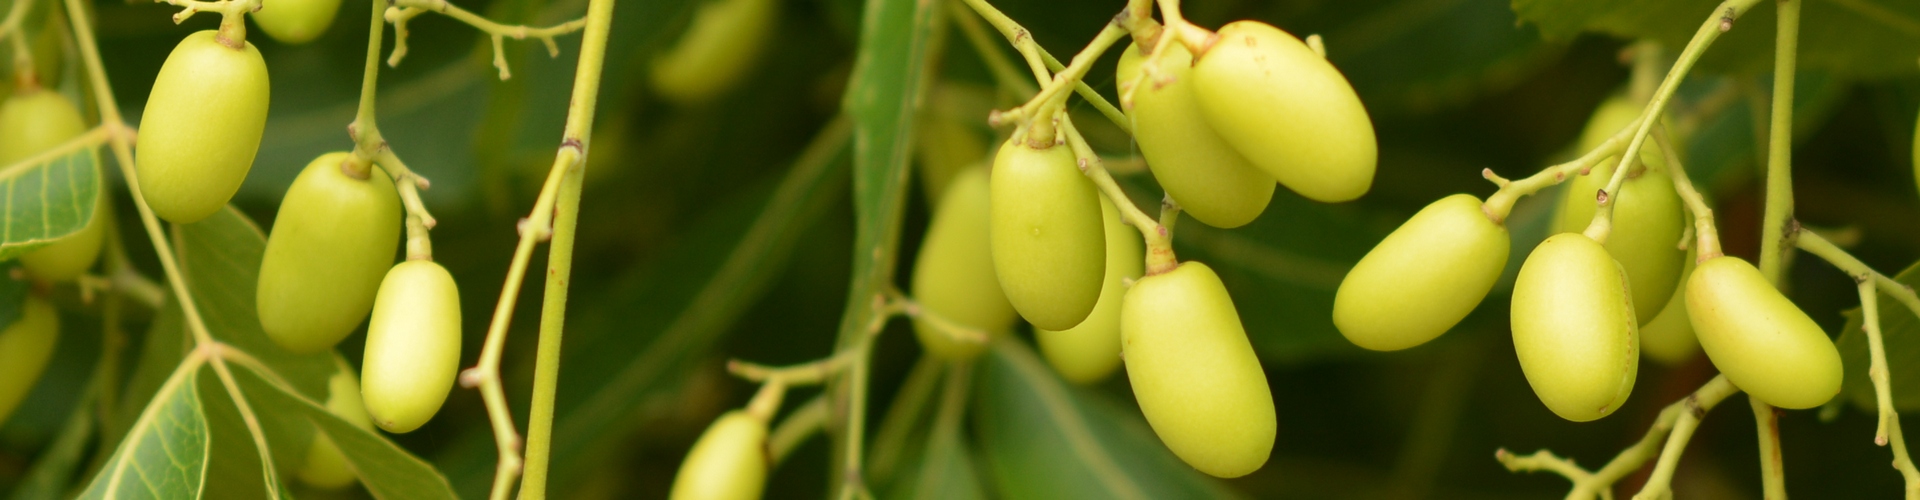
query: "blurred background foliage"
724, 230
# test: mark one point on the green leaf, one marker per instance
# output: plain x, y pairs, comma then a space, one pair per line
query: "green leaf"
54, 470
1900, 332
220, 256
944, 470
739, 246
1043, 439
386, 469
47, 201
165, 454
1858, 38
1418, 55
165, 345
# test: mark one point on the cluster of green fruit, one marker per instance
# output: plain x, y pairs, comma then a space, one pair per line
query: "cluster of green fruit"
1583, 311
1032, 237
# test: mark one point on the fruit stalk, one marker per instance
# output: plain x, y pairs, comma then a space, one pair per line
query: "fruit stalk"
1778, 213
1667, 428
1037, 57
22, 52
1052, 96
1869, 281
1706, 236
1159, 238
401, 11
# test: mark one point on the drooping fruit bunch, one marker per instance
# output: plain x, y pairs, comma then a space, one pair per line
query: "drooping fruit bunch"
1423, 278
1194, 372
1210, 179
1647, 209
1760, 340
1049, 246
335, 236
1574, 329
201, 127
413, 346
1090, 351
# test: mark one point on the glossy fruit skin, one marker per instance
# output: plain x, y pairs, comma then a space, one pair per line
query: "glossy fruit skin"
1194, 372
953, 275
1049, 245
1090, 351
717, 50
1423, 278
1763, 343
25, 347
326, 466
201, 127
413, 346
1648, 217
1574, 328
332, 242
295, 22
31, 123
729, 462
1668, 339
1287, 110
1211, 181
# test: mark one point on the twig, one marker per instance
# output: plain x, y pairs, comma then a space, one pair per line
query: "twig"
401, 11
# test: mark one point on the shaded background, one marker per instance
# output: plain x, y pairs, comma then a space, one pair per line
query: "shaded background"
685, 259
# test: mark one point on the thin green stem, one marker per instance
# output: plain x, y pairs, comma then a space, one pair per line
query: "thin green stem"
399, 12
1673, 428
571, 165
904, 416
805, 422
1707, 236
1869, 280
23, 71
1159, 239
1053, 96
1500, 203
247, 416
1778, 213
1039, 60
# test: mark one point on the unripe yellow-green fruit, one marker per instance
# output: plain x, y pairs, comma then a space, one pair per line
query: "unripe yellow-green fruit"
332, 242
295, 22
1194, 373
1668, 339
1648, 216
31, 123
327, 467
1287, 110
1763, 343
1090, 351
729, 462
201, 127
47, 44
953, 276
1574, 328
25, 347
1049, 246
944, 148
1211, 181
413, 346
718, 48
1423, 278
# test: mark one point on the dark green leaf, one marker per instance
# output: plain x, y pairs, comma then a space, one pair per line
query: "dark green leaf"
1043, 439
1868, 38
51, 473
1417, 55
944, 471
47, 201
221, 259
1900, 333
384, 468
165, 454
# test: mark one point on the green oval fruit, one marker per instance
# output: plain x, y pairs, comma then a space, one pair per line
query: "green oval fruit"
944, 148
1211, 181
31, 123
327, 467
295, 22
1668, 338
1194, 373
1049, 247
413, 346
1574, 328
25, 347
1648, 217
718, 48
953, 275
1090, 351
201, 127
333, 240
729, 462
1423, 278
1763, 343
1287, 110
